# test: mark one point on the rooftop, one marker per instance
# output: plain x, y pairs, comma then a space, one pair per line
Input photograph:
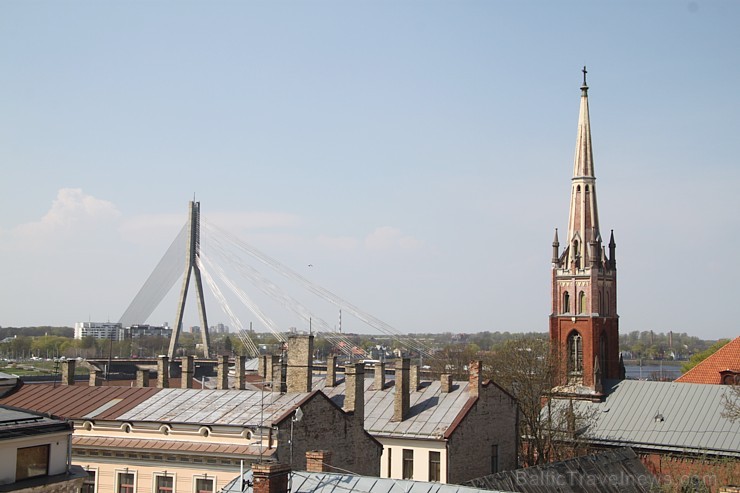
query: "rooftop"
708, 371
681, 417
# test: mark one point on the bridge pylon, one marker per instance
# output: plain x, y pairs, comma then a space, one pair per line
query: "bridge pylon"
191, 267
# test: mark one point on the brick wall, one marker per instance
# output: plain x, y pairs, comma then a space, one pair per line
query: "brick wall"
492, 420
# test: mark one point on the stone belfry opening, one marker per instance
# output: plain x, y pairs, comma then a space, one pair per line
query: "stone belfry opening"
584, 325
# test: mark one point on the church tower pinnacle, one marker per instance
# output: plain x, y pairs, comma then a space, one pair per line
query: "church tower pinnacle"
584, 321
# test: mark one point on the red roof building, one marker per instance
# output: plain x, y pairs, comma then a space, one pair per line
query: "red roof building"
722, 367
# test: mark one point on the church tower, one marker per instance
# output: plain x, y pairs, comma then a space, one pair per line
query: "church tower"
584, 321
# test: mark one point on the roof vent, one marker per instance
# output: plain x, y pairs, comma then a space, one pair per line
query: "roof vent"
659, 418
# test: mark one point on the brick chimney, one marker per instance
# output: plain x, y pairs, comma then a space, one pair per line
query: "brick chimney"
163, 365
275, 373
331, 371
475, 378
414, 378
262, 366
402, 398
239, 362
186, 374
270, 477
142, 378
445, 383
354, 390
222, 378
68, 372
300, 366
379, 383
318, 461
95, 380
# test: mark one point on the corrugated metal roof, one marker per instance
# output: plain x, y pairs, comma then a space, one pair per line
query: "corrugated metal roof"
431, 412
664, 415
221, 407
324, 482
161, 445
617, 470
78, 401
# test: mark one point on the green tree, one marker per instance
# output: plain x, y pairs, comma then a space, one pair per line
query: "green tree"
699, 357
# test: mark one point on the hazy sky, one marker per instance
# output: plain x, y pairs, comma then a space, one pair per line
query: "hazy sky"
417, 154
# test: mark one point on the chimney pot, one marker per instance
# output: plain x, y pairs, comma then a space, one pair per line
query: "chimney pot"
318, 461
300, 363
270, 477
402, 398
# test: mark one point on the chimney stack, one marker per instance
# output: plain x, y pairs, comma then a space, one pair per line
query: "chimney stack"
95, 380
262, 367
300, 363
402, 398
186, 374
142, 378
379, 376
275, 373
270, 477
239, 362
354, 390
163, 379
475, 378
318, 461
222, 378
331, 371
68, 372
445, 383
414, 378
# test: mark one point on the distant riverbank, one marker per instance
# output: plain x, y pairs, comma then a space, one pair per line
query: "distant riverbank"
652, 369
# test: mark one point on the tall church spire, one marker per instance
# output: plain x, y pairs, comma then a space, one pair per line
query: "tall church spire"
584, 323
583, 224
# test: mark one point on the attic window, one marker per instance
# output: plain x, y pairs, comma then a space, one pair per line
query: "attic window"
126, 428
204, 431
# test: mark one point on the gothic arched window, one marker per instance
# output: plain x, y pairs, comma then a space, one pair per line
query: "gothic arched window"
582, 302
575, 352
566, 302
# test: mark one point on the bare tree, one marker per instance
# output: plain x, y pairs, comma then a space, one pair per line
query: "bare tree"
549, 429
731, 401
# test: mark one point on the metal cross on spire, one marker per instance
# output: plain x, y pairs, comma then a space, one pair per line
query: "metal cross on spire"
584, 75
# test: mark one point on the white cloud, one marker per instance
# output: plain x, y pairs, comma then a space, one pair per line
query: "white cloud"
72, 212
388, 237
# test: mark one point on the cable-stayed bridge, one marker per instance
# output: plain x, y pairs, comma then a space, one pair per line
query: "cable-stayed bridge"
230, 262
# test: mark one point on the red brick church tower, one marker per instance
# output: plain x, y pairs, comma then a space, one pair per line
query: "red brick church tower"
584, 323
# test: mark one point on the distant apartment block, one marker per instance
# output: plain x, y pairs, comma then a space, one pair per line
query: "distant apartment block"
114, 331
99, 330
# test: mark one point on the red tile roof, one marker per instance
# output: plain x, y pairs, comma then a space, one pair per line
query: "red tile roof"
708, 371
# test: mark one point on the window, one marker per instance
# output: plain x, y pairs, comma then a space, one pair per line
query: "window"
434, 466
575, 352
203, 485
494, 458
390, 461
582, 302
408, 464
32, 462
164, 483
566, 302
88, 486
125, 482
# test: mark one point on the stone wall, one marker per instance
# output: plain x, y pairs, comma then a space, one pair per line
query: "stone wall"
492, 420
326, 427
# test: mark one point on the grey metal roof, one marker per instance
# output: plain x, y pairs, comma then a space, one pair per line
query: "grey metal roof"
665, 415
325, 482
218, 407
431, 412
611, 471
